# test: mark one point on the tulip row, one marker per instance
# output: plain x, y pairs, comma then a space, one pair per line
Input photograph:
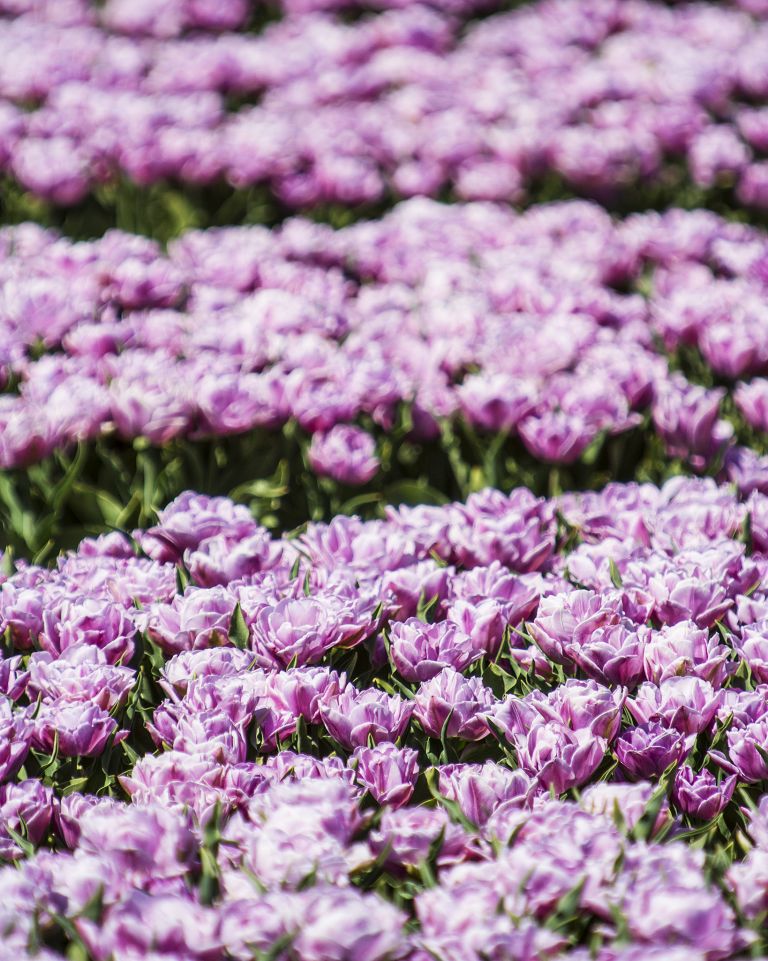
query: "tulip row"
588, 95
452, 346
487, 729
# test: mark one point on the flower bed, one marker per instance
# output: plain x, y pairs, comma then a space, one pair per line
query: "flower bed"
416, 357
530, 728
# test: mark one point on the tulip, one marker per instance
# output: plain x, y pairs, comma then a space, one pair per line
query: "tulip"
455, 703
389, 773
699, 795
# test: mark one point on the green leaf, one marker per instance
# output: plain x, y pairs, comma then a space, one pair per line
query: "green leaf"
27, 847
413, 492
238, 629
567, 908
182, 579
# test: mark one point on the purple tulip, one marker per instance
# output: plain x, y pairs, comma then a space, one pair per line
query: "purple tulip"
556, 437
686, 417
354, 717
299, 630
630, 800
84, 679
419, 651
406, 586
347, 454
21, 613
752, 401
563, 618
214, 735
197, 619
87, 620
699, 795
13, 680
148, 843
191, 519
76, 730
15, 739
219, 559
173, 925
684, 649
583, 705
747, 747
480, 789
517, 530
389, 773
697, 916
753, 648
687, 704
180, 670
558, 757
646, 752
177, 781
408, 833
28, 803
302, 691
342, 923
455, 702
71, 812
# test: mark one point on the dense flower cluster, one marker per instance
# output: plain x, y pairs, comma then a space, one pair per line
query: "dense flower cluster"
543, 327
415, 100
483, 730
484, 725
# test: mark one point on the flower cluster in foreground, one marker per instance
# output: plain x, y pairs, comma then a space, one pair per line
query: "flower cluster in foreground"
511, 728
416, 100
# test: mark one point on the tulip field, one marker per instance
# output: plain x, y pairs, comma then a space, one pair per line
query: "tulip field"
383, 480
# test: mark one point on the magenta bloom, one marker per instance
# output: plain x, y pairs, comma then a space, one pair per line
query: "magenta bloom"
15, 739
146, 842
689, 914
556, 437
699, 795
409, 832
582, 705
354, 717
30, 802
587, 630
747, 748
71, 812
301, 691
83, 679
558, 757
340, 923
687, 704
685, 649
346, 454
191, 519
88, 620
753, 648
752, 401
686, 418
197, 619
81, 730
419, 651
480, 789
459, 700
646, 752
21, 613
299, 630
631, 800
389, 773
